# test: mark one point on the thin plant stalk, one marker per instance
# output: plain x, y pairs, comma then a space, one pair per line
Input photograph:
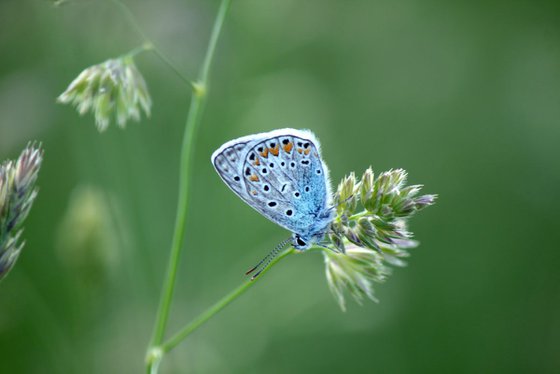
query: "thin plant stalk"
198, 100
221, 304
148, 45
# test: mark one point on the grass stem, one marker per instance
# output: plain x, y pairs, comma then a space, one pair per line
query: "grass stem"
198, 99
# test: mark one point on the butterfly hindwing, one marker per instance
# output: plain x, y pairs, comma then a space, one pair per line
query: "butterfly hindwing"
280, 174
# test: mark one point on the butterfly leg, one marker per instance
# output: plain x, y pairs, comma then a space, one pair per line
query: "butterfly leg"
329, 248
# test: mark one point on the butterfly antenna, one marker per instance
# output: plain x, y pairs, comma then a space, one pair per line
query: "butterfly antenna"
267, 259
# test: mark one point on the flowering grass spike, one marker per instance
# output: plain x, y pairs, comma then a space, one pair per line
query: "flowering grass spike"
373, 236
114, 89
354, 270
17, 193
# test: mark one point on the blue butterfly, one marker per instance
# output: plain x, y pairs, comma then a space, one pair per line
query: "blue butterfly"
282, 176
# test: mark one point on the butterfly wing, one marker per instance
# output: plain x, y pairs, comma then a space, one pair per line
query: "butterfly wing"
280, 174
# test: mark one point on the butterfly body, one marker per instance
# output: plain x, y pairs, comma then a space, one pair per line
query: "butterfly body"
281, 175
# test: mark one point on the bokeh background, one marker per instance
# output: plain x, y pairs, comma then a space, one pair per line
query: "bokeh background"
464, 95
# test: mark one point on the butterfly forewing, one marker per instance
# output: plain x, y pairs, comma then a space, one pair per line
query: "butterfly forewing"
228, 162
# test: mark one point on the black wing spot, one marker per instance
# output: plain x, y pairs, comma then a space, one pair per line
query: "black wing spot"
236, 178
306, 188
248, 171
260, 149
266, 187
318, 171
293, 164
264, 171
271, 165
289, 212
282, 164
272, 145
285, 141
252, 157
297, 194
272, 204
299, 144
306, 145
305, 162
283, 188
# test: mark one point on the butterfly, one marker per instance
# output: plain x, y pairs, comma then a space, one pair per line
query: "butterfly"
282, 176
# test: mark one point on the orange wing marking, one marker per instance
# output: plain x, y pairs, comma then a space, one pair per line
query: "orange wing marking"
275, 150
288, 147
254, 178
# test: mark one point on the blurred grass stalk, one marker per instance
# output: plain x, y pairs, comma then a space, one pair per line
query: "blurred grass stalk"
198, 99
17, 194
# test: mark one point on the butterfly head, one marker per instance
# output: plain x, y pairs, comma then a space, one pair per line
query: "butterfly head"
300, 242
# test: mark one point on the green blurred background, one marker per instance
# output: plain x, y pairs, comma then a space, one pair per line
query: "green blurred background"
464, 95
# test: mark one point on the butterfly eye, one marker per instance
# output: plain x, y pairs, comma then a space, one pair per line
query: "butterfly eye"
300, 242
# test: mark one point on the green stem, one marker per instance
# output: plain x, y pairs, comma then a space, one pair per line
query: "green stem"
221, 304
136, 51
192, 124
148, 44
180, 220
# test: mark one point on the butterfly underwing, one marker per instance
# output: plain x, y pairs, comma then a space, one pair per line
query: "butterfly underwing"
281, 175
